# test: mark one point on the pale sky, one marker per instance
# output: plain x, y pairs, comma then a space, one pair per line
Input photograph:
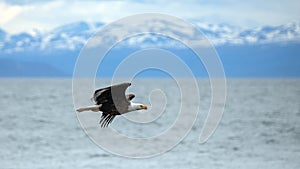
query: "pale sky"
45, 15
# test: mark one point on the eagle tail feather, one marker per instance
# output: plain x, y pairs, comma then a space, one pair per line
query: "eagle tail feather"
94, 108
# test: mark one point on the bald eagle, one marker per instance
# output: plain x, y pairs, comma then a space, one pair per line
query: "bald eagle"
112, 101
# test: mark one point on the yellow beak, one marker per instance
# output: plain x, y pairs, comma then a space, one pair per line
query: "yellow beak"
144, 107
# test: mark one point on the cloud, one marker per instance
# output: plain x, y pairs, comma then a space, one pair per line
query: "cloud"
8, 12
48, 15
45, 15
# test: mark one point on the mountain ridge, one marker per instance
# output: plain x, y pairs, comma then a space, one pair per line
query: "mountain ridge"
74, 35
269, 51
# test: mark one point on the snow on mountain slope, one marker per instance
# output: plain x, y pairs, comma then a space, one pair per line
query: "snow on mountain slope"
74, 35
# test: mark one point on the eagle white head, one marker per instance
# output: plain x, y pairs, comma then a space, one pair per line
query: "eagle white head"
136, 106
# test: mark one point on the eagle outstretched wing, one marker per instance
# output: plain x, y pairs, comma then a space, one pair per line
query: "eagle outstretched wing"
112, 101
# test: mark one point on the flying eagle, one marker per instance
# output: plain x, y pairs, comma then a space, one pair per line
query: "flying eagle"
112, 101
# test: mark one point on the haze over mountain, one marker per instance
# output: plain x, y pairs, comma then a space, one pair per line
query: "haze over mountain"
269, 51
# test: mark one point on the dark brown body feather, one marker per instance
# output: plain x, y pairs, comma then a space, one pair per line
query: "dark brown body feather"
112, 101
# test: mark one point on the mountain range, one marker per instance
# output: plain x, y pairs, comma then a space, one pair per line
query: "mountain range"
269, 51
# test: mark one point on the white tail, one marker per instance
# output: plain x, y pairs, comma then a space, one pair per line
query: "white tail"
94, 108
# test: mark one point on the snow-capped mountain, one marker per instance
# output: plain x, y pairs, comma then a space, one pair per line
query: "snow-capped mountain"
74, 35
69, 37
226, 34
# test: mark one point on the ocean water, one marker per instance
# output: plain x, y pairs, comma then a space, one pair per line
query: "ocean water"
260, 127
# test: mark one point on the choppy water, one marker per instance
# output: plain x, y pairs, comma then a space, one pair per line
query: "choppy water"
260, 128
